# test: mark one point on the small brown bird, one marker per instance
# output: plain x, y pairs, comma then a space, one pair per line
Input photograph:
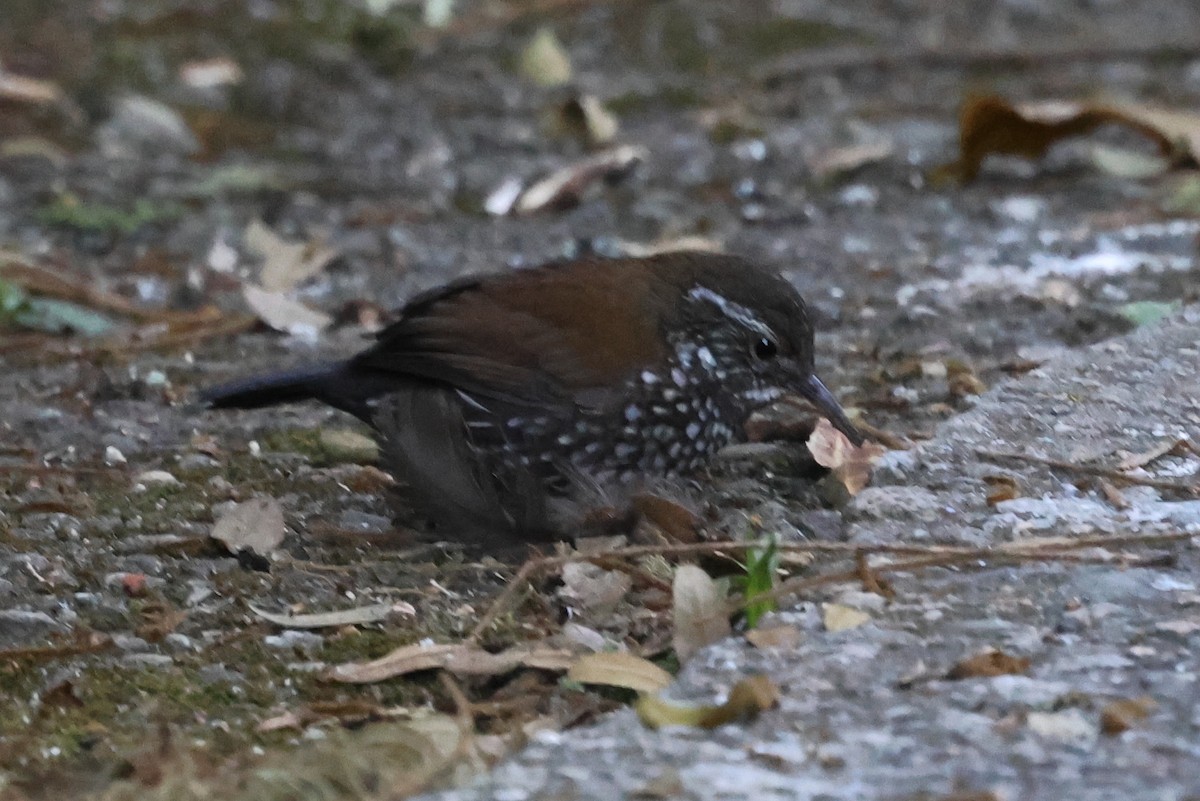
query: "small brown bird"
501, 400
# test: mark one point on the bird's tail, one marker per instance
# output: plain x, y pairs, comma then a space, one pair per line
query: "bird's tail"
320, 382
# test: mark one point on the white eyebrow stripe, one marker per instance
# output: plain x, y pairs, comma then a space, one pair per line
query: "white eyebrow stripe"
734, 311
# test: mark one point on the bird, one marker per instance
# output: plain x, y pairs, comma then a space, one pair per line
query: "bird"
502, 401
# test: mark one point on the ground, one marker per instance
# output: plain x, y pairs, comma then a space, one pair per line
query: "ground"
383, 140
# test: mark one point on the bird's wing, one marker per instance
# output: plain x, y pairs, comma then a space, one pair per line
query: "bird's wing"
555, 334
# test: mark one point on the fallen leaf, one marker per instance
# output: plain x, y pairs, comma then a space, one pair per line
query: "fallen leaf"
286, 265
565, 187
1125, 713
1113, 495
838, 617
284, 314
774, 637
746, 699
587, 118
991, 124
850, 465
255, 526
841, 161
1136, 460
211, 73
988, 664
462, 659
1001, 489
700, 615
619, 669
544, 61
341, 617
28, 90
591, 588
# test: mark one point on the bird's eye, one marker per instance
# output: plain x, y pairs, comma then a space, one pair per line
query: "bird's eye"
765, 348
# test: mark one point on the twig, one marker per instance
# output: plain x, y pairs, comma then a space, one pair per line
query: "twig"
928, 555
828, 60
1109, 473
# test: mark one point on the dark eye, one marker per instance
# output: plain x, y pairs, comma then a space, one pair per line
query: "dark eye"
765, 348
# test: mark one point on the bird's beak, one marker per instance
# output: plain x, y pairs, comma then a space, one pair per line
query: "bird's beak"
818, 394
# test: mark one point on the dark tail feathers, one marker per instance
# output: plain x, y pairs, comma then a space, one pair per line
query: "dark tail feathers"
330, 383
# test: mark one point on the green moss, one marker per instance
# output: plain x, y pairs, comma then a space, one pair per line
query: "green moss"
70, 212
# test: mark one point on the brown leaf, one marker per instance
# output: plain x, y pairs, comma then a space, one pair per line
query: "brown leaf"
774, 637
565, 187
1001, 488
988, 664
255, 525
460, 658
850, 465
991, 124
619, 669
1125, 713
746, 699
700, 615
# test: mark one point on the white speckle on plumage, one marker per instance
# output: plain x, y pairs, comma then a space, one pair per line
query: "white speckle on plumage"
670, 395
706, 357
624, 450
693, 430
679, 377
632, 413
649, 378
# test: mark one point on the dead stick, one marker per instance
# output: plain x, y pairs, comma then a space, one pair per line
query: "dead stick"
1110, 473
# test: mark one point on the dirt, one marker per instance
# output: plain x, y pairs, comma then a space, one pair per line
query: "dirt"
383, 138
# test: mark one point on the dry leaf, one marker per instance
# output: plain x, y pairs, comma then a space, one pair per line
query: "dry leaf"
211, 73
586, 116
255, 526
841, 161
286, 265
28, 90
593, 588
1113, 495
774, 637
544, 61
1001, 489
746, 699
700, 615
837, 617
993, 125
565, 187
283, 313
619, 669
1135, 460
462, 659
342, 617
962, 381
850, 465
988, 664
1125, 713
